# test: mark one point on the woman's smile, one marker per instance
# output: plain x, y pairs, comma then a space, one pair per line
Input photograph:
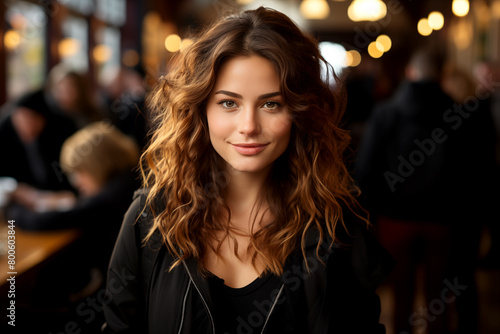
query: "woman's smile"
249, 149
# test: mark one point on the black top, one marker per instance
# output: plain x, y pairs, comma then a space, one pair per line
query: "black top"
238, 310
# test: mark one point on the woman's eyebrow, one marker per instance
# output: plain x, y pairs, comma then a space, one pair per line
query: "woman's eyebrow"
238, 96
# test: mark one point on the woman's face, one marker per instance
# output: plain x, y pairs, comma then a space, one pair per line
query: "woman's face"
248, 122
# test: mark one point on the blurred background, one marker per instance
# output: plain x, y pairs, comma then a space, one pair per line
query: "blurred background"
94, 61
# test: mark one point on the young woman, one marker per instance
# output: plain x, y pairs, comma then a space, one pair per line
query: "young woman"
249, 223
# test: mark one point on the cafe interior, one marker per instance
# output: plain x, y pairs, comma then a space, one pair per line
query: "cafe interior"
95, 61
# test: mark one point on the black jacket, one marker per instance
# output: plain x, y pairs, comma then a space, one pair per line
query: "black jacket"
145, 297
15, 154
405, 161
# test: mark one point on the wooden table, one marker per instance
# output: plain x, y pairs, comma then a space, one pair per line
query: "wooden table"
34, 248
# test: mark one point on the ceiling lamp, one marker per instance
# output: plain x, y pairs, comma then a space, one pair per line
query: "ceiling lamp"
383, 43
102, 53
12, 39
423, 27
374, 51
173, 43
68, 47
315, 9
460, 7
436, 20
366, 10
353, 58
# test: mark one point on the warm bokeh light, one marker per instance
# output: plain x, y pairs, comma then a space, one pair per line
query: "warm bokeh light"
130, 58
173, 43
68, 47
11, 39
102, 53
374, 51
353, 58
495, 9
366, 10
423, 27
185, 43
436, 20
460, 7
462, 35
244, 2
315, 9
384, 43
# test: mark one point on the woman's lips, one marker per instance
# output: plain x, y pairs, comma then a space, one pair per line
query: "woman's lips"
249, 149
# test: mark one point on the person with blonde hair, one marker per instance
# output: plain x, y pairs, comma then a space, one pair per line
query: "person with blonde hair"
96, 154
248, 221
100, 162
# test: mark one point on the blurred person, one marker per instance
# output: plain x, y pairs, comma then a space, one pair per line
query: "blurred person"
487, 79
69, 93
457, 83
404, 170
101, 163
124, 97
249, 211
473, 150
32, 135
366, 84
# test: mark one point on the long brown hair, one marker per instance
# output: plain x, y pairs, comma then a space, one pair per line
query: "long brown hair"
309, 184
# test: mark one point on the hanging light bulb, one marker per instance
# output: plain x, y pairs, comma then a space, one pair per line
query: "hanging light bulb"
383, 43
423, 27
353, 58
374, 51
366, 10
315, 9
173, 43
436, 20
460, 7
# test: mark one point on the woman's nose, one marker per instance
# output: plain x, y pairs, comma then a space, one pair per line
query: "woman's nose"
248, 122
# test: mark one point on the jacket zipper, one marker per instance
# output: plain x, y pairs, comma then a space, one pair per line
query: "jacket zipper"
184, 307
201, 296
272, 308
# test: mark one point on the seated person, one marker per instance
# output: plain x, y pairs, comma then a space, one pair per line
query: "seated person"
32, 136
100, 161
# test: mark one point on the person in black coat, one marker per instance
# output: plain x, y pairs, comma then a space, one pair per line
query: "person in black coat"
407, 170
32, 135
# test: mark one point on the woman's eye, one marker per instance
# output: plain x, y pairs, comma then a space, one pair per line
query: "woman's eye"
271, 105
228, 104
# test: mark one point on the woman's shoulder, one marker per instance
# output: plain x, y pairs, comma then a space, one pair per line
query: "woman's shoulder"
139, 212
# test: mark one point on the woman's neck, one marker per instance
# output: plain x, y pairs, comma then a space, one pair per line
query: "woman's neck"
243, 196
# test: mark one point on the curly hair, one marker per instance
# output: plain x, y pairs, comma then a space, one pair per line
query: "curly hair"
309, 185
